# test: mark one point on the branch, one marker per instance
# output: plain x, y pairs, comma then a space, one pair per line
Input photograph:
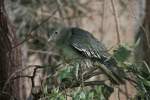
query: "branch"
116, 21
90, 83
18, 71
28, 35
103, 19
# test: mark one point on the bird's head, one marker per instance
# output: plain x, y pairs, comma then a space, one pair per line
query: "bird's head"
58, 34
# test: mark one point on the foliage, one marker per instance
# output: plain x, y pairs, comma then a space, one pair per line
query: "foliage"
121, 54
69, 75
140, 70
80, 93
27, 16
142, 74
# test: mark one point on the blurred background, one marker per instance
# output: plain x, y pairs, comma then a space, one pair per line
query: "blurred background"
113, 22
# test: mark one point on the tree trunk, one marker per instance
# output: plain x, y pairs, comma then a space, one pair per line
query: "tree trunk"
146, 40
10, 59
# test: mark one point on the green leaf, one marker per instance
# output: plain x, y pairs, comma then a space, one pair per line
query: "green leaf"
65, 74
82, 95
121, 54
146, 82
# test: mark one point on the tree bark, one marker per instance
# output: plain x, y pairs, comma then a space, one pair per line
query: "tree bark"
146, 40
10, 59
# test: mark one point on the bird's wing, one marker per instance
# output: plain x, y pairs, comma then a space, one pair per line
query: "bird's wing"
84, 42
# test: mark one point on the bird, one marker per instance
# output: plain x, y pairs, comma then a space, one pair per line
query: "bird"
74, 42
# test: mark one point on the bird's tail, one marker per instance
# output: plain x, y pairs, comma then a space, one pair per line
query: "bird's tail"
114, 73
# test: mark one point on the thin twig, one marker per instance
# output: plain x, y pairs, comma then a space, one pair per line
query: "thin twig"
21, 76
126, 92
118, 94
61, 10
103, 20
131, 80
90, 83
42, 52
28, 35
90, 75
16, 72
147, 67
116, 21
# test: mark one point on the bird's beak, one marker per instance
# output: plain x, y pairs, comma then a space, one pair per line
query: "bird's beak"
50, 39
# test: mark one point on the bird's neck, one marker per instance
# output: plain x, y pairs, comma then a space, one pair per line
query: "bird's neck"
64, 39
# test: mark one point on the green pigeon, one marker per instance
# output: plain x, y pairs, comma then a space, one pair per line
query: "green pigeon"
78, 43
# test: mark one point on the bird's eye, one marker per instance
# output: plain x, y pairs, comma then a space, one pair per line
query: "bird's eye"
56, 32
